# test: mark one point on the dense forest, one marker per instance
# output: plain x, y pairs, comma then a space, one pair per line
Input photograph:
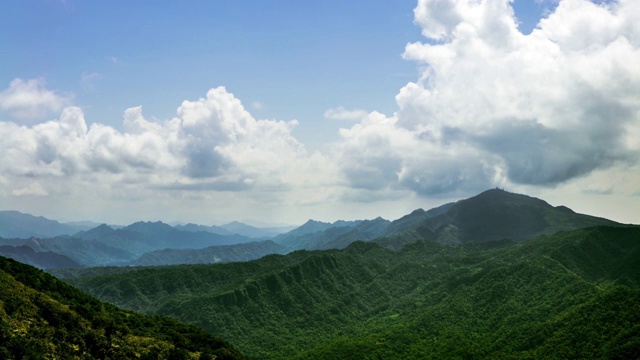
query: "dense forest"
574, 294
498, 275
42, 317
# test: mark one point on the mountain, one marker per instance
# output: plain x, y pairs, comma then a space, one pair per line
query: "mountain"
106, 246
142, 237
42, 317
415, 218
42, 260
314, 234
211, 254
236, 227
81, 252
341, 237
14, 224
491, 216
212, 229
573, 294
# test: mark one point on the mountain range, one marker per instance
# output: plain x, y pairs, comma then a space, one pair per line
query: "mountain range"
107, 246
498, 275
492, 215
14, 224
574, 294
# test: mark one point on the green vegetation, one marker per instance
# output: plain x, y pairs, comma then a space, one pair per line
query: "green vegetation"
44, 318
574, 294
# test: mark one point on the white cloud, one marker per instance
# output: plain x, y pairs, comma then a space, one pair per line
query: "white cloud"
31, 99
555, 113
33, 189
340, 113
213, 144
89, 80
493, 106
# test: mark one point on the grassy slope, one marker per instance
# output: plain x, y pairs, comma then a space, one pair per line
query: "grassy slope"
535, 299
42, 317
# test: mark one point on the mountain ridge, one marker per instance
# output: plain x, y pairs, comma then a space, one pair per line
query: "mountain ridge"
469, 301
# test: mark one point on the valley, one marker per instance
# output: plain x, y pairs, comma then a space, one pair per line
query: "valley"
498, 275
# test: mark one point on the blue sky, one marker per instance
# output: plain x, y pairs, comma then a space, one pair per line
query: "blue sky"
280, 111
285, 59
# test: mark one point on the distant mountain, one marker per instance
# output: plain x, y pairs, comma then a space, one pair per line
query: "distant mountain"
211, 254
490, 216
14, 224
143, 237
42, 260
313, 234
82, 252
341, 237
236, 227
106, 246
42, 317
212, 229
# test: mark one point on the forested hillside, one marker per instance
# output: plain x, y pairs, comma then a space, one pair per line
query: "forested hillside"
44, 318
569, 295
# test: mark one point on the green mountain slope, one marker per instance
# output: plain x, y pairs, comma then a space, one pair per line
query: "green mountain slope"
491, 216
212, 254
480, 300
44, 318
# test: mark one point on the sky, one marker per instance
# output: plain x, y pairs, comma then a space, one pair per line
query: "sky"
279, 111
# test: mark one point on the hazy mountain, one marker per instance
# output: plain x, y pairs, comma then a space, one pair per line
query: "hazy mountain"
572, 295
212, 229
143, 237
14, 224
105, 246
42, 260
236, 227
211, 254
81, 251
42, 317
313, 233
341, 237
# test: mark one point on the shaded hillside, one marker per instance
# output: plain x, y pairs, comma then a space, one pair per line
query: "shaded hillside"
495, 215
42, 260
42, 317
480, 300
414, 219
316, 235
365, 230
212, 254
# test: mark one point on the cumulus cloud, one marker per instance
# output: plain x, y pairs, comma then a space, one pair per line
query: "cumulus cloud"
31, 99
213, 144
495, 106
340, 113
